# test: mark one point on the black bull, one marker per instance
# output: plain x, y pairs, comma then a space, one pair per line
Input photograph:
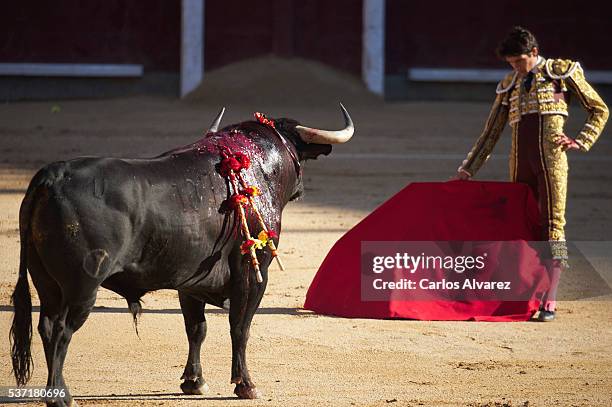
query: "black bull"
139, 225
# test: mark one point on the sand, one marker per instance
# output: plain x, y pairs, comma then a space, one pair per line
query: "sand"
295, 357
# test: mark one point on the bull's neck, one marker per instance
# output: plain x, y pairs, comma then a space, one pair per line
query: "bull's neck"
272, 157
279, 162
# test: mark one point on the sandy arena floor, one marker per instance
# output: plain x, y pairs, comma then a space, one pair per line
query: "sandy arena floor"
297, 358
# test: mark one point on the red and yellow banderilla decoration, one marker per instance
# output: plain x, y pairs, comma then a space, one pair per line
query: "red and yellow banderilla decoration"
231, 165
265, 235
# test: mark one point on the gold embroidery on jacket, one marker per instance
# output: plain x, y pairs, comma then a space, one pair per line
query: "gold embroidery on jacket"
513, 100
597, 110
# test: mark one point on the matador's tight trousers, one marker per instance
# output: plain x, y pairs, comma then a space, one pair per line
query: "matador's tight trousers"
530, 170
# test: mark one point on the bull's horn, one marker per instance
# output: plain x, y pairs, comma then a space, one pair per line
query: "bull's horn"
318, 136
214, 127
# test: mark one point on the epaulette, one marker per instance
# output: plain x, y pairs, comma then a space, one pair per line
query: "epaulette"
507, 83
561, 68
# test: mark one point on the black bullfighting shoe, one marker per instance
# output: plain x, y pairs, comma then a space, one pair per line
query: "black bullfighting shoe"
546, 316
547, 310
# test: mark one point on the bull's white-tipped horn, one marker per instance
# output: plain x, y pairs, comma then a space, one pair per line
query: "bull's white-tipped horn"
317, 136
214, 127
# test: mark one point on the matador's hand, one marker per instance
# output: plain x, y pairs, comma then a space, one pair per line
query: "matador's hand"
462, 175
566, 143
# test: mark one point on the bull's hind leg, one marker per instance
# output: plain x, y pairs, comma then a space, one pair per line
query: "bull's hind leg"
70, 318
58, 322
245, 298
52, 327
195, 325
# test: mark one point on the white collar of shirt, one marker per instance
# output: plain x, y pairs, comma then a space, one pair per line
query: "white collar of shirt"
537, 64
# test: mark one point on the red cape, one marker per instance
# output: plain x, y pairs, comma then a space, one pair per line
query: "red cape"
429, 211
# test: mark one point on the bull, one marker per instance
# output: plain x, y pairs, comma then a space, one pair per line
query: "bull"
138, 225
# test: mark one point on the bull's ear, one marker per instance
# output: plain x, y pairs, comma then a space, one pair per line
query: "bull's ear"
313, 151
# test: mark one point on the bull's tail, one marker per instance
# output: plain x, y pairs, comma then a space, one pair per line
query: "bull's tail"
21, 329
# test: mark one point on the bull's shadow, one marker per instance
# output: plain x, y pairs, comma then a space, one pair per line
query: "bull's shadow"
150, 396
139, 397
121, 310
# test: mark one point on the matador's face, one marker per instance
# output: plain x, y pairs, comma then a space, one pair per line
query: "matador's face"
523, 63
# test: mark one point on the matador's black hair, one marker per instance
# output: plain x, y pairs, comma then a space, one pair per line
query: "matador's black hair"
518, 41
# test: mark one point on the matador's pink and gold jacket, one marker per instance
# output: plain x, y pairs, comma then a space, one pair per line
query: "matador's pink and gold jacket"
552, 84
555, 80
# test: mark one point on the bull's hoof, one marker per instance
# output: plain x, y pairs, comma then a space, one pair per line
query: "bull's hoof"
198, 386
246, 392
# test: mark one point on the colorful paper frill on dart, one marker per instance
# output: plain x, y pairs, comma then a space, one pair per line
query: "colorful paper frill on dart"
242, 200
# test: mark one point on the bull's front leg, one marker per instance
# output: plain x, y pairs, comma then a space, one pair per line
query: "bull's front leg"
245, 297
195, 325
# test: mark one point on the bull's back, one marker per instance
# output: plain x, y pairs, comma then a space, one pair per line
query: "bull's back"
149, 218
